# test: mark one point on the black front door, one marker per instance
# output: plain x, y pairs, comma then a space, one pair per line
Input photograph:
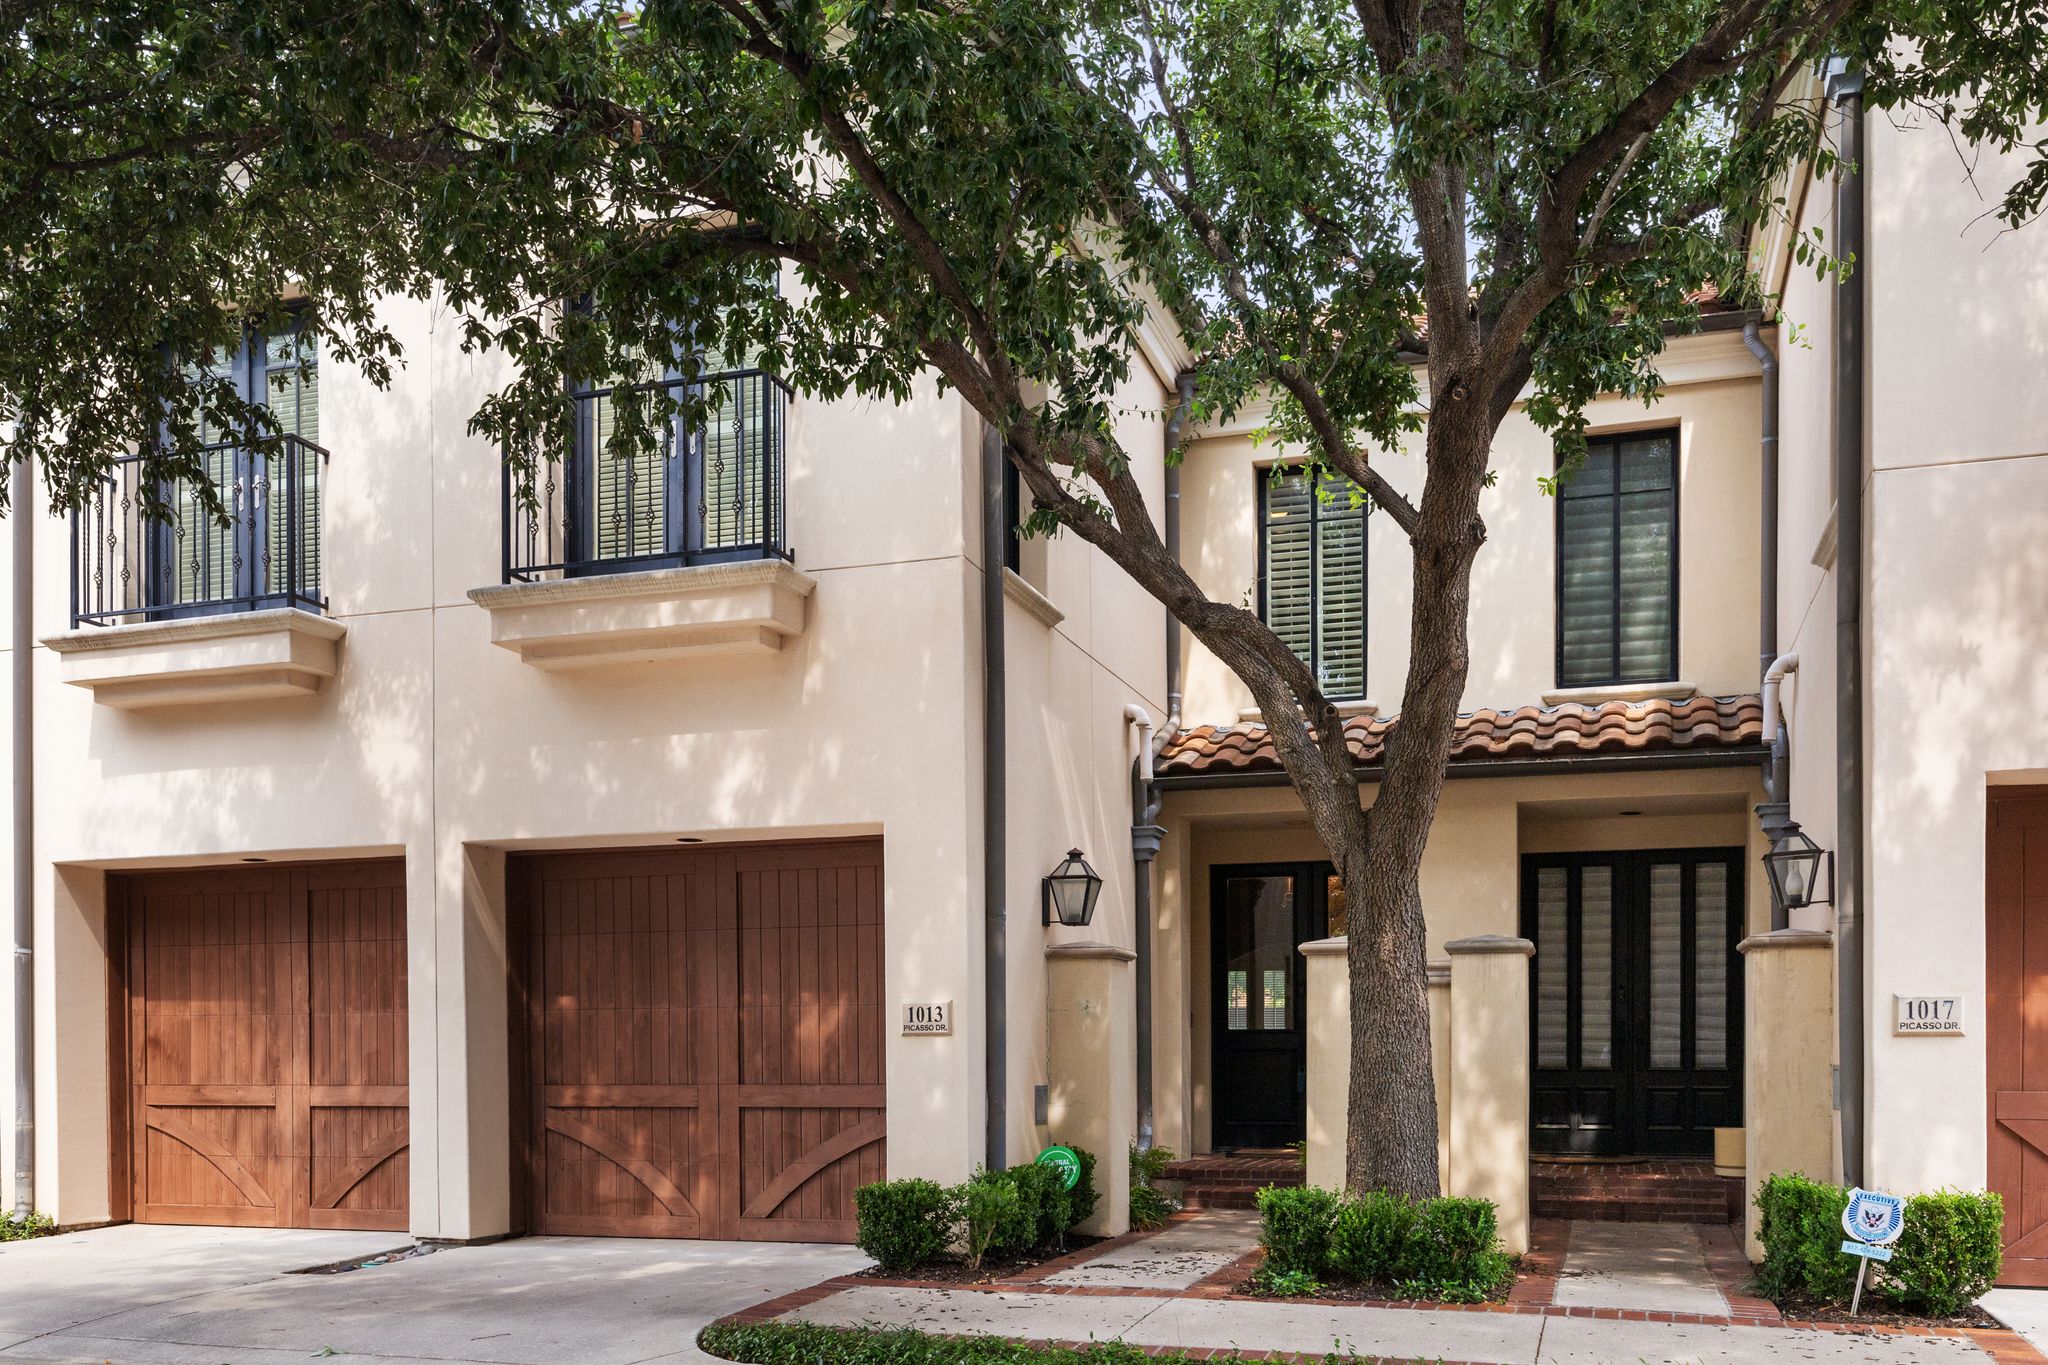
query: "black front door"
1635, 1000
1259, 916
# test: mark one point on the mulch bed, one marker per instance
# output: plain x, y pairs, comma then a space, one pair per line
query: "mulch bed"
955, 1270
1877, 1312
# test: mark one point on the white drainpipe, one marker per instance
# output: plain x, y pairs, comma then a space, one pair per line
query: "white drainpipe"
1781, 668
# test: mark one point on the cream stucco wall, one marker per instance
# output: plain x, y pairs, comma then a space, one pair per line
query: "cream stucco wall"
1955, 476
434, 745
1711, 397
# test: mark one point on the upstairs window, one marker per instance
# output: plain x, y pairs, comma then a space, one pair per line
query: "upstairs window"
1617, 563
1312, 575
268, 551
704, 486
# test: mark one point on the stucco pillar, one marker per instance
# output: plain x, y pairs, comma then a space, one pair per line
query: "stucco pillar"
1788, 1033
1091, 1063
1489, 1048
1440, 1062
1329, 1059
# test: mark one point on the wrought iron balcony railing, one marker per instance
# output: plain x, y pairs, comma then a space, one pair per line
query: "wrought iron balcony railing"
710, 490
131, 564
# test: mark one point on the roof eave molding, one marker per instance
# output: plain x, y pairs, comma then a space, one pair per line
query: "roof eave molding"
1157, 334
1771, 241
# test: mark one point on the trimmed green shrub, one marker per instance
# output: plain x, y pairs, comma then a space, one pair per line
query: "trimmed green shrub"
1948, 1254
988, 1206
13, 1229
904, 1223
1149, 1207
1082, 1199
1042, 1206
1801, 1232
1455, 1255
1373, 1239
1295, 1228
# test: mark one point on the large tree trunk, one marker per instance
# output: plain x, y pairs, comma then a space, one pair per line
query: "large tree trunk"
1391, 1114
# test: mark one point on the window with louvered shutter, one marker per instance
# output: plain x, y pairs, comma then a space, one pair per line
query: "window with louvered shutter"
1312, 579
1617, 558
290, 373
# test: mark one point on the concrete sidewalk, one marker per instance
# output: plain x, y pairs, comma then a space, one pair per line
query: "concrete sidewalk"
1404, 1334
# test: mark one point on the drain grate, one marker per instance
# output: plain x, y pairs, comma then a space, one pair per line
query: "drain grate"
370, 1262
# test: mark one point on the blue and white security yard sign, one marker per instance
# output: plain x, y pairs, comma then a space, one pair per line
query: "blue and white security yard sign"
1873, 1222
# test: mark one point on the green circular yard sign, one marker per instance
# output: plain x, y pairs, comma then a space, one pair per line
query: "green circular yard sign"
1065, 1161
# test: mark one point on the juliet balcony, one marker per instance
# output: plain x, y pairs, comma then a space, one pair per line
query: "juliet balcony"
620, 551
173, 602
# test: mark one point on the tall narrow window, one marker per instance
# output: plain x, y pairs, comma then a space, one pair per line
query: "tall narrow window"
267, 551
1617, 563
677, 459
1312, 575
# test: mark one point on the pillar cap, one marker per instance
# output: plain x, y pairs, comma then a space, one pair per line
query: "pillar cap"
1325, 947
1788, 938
1090, 949
1491, 943
1438, 972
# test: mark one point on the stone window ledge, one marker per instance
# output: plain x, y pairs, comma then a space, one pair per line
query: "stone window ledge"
748, 607
197, 660
1018, 589
1593, 696
1349, 710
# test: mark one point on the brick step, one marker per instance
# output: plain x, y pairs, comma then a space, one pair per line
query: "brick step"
1647, 1189
1194, 1198
1630, 1211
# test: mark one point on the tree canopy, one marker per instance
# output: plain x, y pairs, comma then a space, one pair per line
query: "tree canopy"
1363, 209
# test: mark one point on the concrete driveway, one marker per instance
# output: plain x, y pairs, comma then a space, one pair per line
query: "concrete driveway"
173, 1296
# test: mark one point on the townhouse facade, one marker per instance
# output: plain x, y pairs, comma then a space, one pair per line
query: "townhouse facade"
664, 847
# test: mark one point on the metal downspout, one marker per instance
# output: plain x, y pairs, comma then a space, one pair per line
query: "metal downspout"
994, 815
1845, 87
22, 642
1774, 815
1146, 799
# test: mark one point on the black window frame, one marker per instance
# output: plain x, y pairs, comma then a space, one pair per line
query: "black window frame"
1265, 478
247, 365
1013, 514
1615, 677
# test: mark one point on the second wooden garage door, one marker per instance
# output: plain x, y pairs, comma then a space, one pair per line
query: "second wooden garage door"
702, 1040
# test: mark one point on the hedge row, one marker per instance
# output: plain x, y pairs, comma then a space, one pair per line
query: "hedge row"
904, 1224
785, 1343
1944, 1260
1447, 1250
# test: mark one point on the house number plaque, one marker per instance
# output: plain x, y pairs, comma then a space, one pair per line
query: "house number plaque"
928, 1020
1918, 1014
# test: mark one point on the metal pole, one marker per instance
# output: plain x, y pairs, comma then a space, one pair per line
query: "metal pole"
21, 482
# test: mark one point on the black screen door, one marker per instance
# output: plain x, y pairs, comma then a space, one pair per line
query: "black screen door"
1260, 915
1635, 1001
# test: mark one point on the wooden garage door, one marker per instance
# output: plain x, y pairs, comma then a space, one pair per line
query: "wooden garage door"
2016, 1023
263, 1016
702, 1041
